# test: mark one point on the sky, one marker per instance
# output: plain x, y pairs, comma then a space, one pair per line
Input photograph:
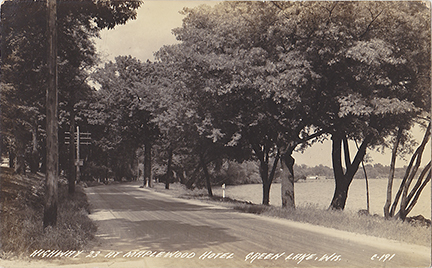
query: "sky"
152, 29
149, 32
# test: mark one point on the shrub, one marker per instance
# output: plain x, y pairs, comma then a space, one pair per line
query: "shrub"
22, 217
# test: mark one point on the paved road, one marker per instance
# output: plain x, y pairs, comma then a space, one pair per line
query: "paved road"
150, 229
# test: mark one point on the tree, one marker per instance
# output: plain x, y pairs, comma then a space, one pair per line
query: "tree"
408, 196
251, 83
171, 112
365, 69
195, 134
22, 73
391, 173
398, 65
24, 54
24, 35
121, 113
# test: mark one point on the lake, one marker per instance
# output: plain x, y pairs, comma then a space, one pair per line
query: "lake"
320, 193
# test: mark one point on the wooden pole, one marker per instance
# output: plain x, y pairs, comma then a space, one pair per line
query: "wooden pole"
72, 169
78, 174
51, 194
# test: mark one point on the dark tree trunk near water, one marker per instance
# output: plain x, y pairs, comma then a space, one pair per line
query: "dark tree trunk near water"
287, 185
343, 178
264, 168
266, 193
340, 194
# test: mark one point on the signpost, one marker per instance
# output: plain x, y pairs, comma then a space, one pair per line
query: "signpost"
83, 138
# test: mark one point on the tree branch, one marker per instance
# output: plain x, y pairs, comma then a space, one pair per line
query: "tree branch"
330, 10
346, 153
370, 24
352, 169
273, 170
259, 153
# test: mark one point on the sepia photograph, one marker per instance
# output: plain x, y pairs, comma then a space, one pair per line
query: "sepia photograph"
215, 134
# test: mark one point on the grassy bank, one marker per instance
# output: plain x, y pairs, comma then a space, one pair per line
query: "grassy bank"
342, 220
22, 230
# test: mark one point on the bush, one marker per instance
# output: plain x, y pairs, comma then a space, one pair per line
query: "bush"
22, 217
234, 173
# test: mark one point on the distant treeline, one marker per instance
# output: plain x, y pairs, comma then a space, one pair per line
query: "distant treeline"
376, 171
233, 173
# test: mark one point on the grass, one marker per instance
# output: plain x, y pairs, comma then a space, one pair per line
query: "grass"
22, 229
342, 220
348, 221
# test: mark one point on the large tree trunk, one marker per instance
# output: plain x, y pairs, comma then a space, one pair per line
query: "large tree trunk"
34, 155
263, 155
267, 178
266, 182
19, 148
12, 157
207, 175
340, 194
147, 164
344, 179
266, 193
193, 178
20, 167
341, 186
51, 195
169, 169
287, 186
391, 174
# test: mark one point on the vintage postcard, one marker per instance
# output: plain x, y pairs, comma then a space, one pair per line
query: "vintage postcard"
215, 133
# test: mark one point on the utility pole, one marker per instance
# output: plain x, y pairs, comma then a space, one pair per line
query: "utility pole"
78, 163
78, 138
51, 194
72, 172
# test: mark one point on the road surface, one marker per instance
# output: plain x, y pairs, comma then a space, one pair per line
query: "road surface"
149, 229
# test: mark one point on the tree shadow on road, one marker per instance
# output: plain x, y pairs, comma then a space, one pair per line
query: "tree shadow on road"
146, 202
163, 235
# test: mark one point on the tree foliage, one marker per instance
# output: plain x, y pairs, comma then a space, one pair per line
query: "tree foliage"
121, 113
370, 77
233, 54
24, 73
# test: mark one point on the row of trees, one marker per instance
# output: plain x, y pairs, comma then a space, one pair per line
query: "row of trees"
246, 81
258, 80
276, 76
29, 72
